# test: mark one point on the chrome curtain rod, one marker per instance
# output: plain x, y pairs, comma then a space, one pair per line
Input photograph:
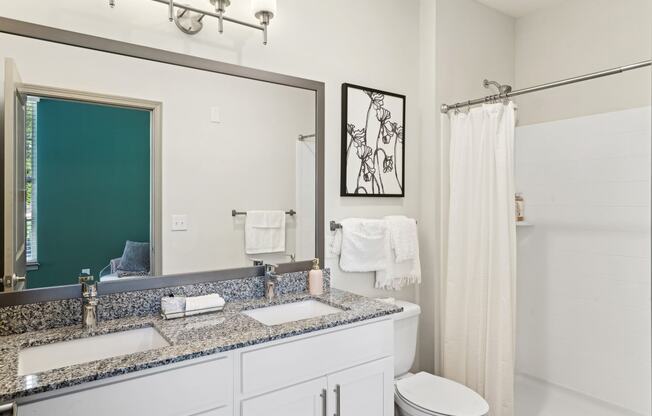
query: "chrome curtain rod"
496, 97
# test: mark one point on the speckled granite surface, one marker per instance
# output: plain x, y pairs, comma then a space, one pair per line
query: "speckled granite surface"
55, 314
190, 337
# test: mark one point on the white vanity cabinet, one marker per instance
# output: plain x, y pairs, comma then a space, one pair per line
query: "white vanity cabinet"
349, 368
341, 371
359, 391
203, 386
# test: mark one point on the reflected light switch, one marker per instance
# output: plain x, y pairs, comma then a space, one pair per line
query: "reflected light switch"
215, 115
179, 222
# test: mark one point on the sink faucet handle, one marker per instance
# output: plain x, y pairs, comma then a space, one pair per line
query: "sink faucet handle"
89, 300
89, 286
86, 278
271, 280
270, 268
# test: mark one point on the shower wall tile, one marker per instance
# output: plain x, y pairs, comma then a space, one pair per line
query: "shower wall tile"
584, 267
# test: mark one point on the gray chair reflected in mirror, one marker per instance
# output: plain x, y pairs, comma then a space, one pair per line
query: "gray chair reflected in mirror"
134, 262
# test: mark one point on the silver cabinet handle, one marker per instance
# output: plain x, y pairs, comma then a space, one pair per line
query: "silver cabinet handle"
324, 402
338, 400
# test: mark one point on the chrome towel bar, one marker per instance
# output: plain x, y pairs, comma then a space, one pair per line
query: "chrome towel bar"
334, 226
234, 212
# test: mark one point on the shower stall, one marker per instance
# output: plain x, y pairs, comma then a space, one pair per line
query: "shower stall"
583, 285
583, 259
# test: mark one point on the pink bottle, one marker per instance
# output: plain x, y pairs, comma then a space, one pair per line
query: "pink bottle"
315, 279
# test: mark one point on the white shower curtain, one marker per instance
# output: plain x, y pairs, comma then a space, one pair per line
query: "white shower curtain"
478, 299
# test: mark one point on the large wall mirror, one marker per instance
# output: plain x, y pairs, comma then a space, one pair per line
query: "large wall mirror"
130, 168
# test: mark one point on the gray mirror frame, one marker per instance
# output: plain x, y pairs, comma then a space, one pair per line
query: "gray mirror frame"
49, 34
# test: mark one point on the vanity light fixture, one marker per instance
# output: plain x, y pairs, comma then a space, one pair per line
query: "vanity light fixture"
264, 10
189, 19
220, 9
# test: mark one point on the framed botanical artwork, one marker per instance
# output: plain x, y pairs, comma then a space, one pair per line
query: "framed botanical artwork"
373, 143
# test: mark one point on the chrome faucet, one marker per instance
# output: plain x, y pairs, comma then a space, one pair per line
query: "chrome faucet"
271, 281
89, 301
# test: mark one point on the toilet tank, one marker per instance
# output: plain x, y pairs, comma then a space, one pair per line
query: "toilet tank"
405, 336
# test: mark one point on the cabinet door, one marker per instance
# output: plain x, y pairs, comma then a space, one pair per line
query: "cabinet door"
365, 390
305, 399
198, 387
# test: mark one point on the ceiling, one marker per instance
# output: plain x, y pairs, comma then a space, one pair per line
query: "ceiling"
519, 8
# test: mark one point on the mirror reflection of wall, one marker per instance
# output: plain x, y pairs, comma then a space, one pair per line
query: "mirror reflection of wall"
87, 189
226, 143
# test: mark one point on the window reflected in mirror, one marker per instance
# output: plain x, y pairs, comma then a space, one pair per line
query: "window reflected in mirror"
88, 180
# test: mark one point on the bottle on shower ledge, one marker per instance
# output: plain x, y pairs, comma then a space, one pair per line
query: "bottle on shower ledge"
520, 207
315, 279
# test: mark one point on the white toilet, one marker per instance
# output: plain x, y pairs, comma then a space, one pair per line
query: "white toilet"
424, 394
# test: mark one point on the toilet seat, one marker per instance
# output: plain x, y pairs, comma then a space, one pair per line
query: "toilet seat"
426, 394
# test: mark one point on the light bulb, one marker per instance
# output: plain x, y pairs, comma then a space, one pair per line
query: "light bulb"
263, 6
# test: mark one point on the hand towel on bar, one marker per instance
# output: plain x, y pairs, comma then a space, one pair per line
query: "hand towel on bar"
400, 273
265, 232
403, 236
365, 244
196, 304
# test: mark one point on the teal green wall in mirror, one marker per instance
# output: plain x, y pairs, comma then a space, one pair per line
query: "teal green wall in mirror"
93, 187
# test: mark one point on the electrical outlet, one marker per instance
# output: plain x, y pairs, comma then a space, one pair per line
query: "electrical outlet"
179, 222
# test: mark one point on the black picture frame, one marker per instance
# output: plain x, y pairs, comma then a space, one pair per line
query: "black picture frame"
390, 137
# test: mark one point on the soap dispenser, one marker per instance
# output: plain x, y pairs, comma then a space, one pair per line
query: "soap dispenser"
315, 279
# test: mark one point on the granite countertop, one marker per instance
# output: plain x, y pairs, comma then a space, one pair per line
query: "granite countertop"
189, 337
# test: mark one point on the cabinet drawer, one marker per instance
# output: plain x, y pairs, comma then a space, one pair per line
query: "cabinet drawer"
202, 386
266, 368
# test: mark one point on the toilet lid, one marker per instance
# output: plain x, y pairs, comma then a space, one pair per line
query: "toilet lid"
440, 395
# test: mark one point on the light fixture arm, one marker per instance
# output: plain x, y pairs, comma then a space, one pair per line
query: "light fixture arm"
220, 9
264, 18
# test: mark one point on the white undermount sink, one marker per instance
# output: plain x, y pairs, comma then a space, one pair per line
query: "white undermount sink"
77, 351
288, 312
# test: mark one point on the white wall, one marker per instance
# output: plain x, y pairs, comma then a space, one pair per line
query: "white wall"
471, 42
429, 184
208, 168
366, 42
584, 265
577, 37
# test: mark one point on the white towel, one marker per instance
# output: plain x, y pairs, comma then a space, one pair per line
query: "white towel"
400, 273
403, 237
365, 244
195, 304
391, 301
173, 304
265, 232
